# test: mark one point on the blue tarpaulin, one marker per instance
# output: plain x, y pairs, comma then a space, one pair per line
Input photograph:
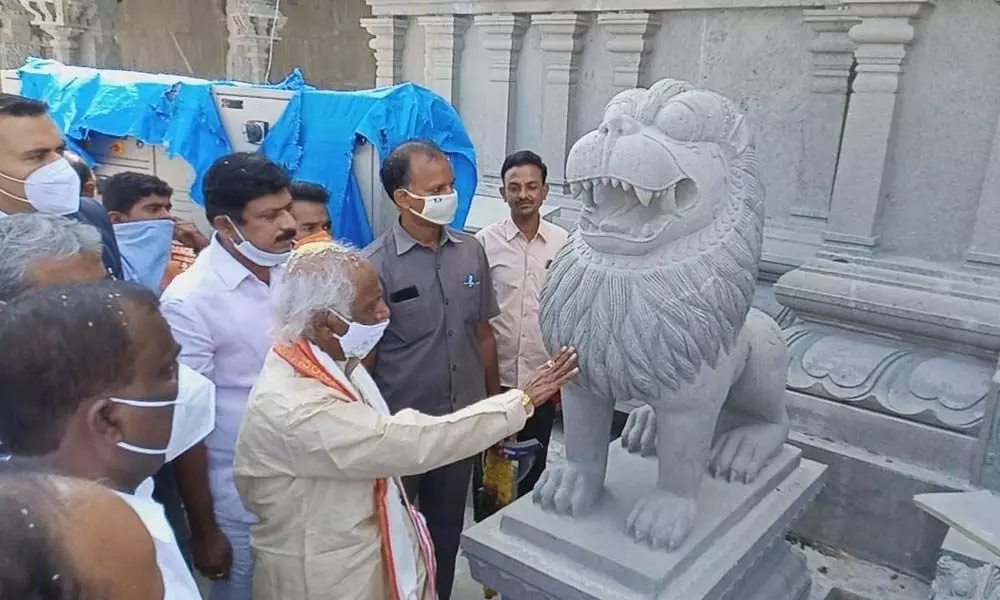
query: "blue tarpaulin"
169, 110
314, 139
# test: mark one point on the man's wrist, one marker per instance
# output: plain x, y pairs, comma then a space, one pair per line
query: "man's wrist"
528, 404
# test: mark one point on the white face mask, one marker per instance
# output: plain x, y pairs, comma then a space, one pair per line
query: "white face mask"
53, 189
360, 339
194, 414
438, 209
255, 254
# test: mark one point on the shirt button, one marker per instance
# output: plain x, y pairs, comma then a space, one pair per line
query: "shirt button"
450, 333
446, 302
454, 367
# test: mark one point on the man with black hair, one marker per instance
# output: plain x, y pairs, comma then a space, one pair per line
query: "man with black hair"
144, 202
520, 248
88, 181
311, 208
114, 421
438, 354
220, 312
37, 176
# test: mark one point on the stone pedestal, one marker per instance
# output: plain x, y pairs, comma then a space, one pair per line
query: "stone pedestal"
736, 550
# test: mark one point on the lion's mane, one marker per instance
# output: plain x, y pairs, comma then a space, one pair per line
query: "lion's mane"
643, 325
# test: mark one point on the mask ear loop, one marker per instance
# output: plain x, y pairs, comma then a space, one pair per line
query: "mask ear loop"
236, 231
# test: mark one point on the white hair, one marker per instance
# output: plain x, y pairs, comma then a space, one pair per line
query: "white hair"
318, 278
28, 238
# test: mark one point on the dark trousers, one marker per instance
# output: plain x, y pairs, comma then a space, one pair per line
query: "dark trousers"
440, 495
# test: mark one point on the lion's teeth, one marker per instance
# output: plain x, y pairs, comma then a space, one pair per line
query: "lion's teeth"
626, 186
587, 185
576, 188
606, 181
615, 183
647, 230
644, 196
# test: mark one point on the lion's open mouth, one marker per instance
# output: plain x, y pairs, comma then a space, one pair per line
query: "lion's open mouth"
617, 208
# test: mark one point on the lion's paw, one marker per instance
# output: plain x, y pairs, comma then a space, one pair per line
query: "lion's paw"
661, 520
568, 489
740, 454
639, 434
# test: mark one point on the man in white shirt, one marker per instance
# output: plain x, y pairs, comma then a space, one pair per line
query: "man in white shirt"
113, 421
519, 250
219, 311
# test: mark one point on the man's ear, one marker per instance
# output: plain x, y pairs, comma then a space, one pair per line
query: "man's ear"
503, 192
90, 189
401, 199
224, 225
545, 192
116, 217
102, 418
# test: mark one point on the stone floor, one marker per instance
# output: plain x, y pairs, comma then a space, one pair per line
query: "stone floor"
836, 576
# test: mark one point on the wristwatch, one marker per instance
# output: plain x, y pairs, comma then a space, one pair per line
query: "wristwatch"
528, 404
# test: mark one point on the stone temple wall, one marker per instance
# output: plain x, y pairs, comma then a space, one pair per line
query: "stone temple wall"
212, 39
877, 128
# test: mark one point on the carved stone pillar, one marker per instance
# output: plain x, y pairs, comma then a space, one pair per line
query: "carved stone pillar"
502, 38
252, 25
444, 40
67, 23
832, 57
882, 37
97, 42
984, 250
389, 35
562, 41
628, 41
17, 42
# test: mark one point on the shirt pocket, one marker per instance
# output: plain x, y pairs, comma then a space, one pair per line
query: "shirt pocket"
413, 319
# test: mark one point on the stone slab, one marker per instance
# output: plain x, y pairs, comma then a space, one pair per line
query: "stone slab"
958, 545
974, 514
524, 548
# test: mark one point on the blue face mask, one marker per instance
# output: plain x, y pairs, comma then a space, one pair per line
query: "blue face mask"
145, 250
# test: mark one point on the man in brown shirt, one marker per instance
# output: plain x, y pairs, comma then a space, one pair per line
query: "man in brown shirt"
439, 353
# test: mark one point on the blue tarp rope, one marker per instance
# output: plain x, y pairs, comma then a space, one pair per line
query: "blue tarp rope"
314, 139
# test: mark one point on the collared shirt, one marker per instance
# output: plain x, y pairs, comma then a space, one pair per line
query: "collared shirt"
518, 267
178, 583
429, 357
220, 314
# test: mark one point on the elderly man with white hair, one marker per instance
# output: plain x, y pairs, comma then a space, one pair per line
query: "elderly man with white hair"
319, 455
39, 249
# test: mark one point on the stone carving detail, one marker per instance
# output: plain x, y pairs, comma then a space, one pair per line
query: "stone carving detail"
654, 289
444, 42
388, 38
17, 41
64, 21
562, 45
936, 389
957, 581
832, 56
252, 24
628, 42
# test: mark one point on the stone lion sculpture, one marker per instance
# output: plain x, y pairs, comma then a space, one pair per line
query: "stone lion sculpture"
654, 290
